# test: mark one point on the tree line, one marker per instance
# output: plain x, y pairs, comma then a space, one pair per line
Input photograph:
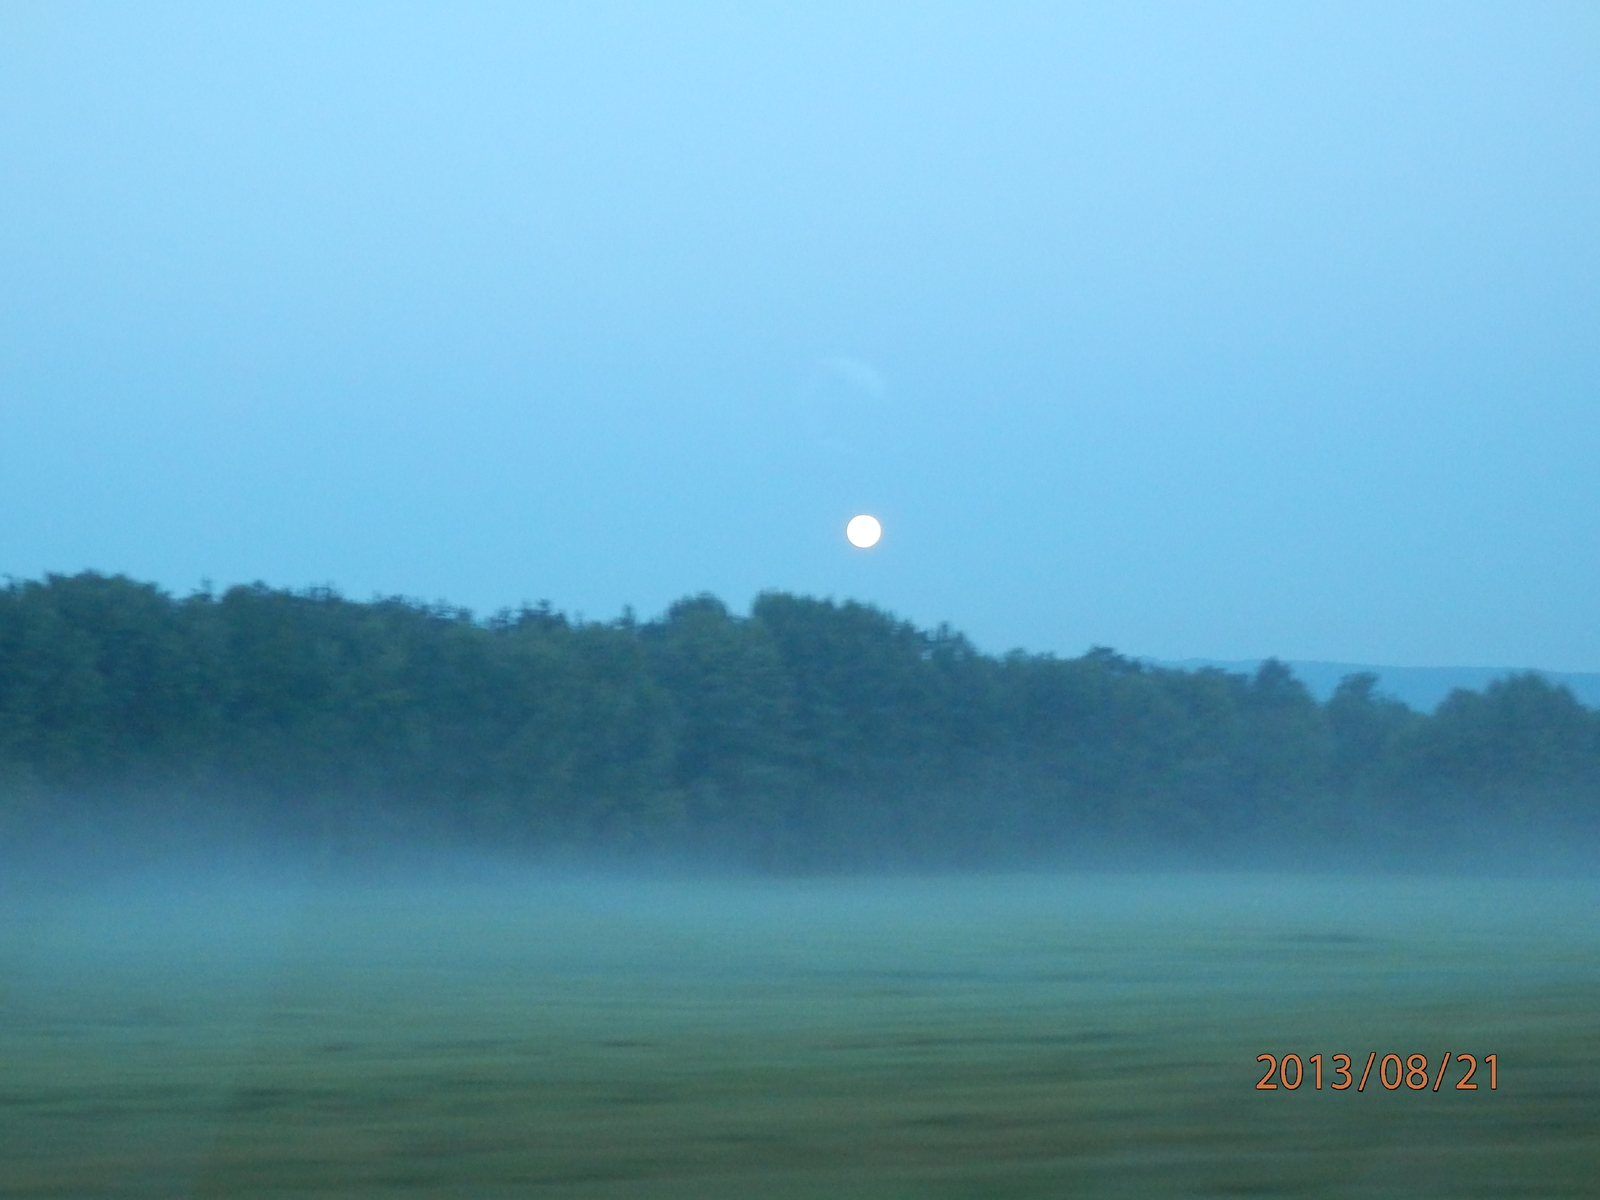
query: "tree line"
810, 732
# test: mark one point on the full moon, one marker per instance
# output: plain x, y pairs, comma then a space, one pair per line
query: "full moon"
863, 531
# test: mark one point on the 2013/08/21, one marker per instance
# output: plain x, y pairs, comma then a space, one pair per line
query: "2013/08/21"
1413, 1072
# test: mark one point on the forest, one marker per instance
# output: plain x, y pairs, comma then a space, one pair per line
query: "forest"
810, 734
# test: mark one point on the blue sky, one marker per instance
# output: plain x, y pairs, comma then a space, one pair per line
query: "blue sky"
1194, 330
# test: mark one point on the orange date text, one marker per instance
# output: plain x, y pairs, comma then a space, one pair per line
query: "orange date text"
1393, 1072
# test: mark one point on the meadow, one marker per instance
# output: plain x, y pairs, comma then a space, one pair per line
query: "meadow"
493, 1031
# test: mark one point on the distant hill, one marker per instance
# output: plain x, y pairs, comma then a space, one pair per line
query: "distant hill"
1420, 687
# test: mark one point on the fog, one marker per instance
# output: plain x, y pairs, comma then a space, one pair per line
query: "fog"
433, 1024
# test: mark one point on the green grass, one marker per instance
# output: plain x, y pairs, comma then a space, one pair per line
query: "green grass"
936, 1038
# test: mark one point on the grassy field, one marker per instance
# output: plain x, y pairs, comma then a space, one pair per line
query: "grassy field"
962, 1037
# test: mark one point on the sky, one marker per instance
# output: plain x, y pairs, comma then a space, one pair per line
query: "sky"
1194, 330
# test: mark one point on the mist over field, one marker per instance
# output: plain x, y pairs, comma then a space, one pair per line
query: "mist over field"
468, 1025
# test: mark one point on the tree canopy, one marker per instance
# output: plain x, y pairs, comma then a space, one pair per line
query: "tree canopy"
809, 731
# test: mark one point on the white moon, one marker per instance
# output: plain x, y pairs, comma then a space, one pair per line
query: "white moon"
863, 531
